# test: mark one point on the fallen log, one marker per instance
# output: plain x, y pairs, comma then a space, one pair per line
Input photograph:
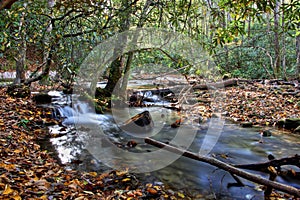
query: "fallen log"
217, 85
227, 167
293, 160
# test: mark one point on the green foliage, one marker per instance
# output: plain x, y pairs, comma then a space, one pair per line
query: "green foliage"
70, 29
253, 57
156, 61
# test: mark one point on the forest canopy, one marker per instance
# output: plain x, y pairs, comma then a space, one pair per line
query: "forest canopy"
247, 39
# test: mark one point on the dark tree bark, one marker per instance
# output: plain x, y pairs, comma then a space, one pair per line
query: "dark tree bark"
117, 66
115, 73
6, 4
277, 63
21, 57
298, 54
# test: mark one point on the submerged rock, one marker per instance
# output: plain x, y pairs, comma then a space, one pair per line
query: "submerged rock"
266, 133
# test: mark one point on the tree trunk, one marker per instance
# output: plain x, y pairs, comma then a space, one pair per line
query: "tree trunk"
47, 43
116, 67
298, 55
126, 75
21, 58
130, 54
249, 26
276, 40
283, 47
115, 73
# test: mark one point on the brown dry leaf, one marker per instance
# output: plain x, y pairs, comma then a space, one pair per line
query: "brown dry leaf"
293, 172
8, 167
16, 197
272, 169
73, 186
152, 191
93, 174
44, 197
17, 151
121, 173
7, 190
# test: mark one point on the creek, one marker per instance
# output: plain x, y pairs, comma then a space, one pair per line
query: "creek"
235, 145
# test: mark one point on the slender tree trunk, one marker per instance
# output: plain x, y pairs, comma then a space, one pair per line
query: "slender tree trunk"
298, 55
47, 43
126, 75
115, 72
117, 65
130, 54
283, 47
249, 26
21, 58
277, 63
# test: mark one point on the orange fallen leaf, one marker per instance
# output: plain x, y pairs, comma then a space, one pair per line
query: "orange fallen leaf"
7, 190
17, 151
16, 197
94, 174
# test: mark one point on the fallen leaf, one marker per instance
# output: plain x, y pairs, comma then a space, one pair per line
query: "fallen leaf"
7, 190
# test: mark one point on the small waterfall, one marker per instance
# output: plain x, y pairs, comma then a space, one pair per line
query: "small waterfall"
78, 112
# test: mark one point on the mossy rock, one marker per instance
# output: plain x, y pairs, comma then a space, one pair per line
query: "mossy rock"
18, 91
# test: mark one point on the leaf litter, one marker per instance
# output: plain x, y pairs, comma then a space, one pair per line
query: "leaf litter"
29, 172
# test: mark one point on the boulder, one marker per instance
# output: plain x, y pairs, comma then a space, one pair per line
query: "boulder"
140, 123
42, 98
290, 123
246, 124
297, 130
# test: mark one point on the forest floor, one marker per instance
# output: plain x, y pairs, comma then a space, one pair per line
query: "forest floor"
29, 172
256, 103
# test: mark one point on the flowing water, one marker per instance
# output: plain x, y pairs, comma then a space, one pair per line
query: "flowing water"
235, 145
